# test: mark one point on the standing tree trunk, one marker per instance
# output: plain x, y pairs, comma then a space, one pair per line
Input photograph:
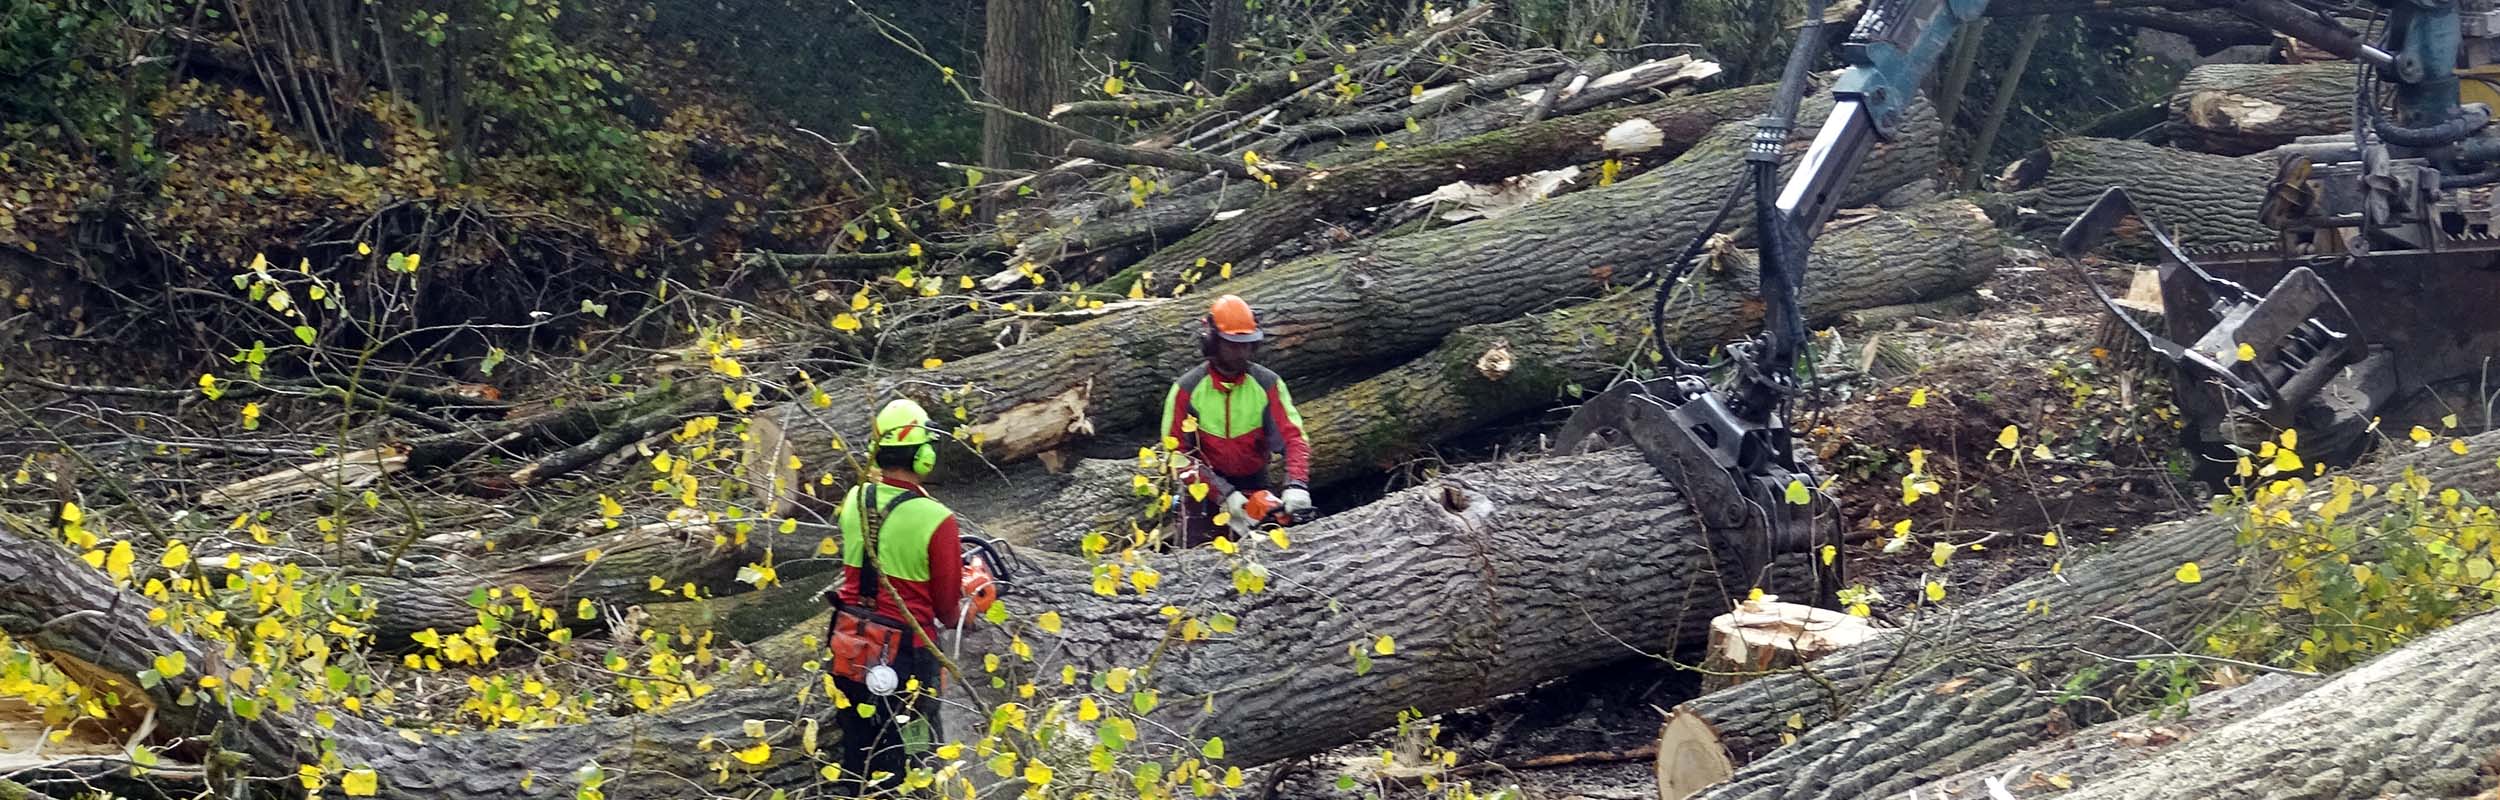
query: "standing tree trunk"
1225, 24
1024, 67
1977, 164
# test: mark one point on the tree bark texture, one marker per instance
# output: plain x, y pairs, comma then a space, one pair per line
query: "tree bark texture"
1336, 310
408, 603
1226, 21
2237, 109
62, 607
1490, 581
1024, 66
2422, 721
1972, 685
1401, 174
2112, 746
1899, 257
2203, 201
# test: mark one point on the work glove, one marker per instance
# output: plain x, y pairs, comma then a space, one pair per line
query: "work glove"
1237, 513
1298, 502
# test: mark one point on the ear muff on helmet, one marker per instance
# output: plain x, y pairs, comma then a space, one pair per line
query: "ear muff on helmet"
903, 423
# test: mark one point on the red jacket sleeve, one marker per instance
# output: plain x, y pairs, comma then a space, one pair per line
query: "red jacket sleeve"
946, 573
1288, 419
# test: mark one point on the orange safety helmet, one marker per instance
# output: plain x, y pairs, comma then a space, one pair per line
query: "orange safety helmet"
1230, 318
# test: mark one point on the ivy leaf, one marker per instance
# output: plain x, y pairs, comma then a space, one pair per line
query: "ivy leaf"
1214, 748
1049, 622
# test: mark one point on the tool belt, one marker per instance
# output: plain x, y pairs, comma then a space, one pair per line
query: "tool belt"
866, 646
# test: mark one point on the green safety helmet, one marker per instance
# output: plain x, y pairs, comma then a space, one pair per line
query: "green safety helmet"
903, 423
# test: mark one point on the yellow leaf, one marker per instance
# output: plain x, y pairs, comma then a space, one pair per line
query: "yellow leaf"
309, 776
1049, 622
176, 555
845, 323
1385, 646
2049, 539
171, 665
2449, 421
2061, 781
2188, 573
2421, 435
359, 783
1036, 772
2041, 451
1797, 494
1197, 491
608, 507
2006, 438
118, 563
1918, 398
2247, 353
1114, 86
364, 249
932, 363
2457, 446
756, 754
1942, 552
1087, 710
1935, 592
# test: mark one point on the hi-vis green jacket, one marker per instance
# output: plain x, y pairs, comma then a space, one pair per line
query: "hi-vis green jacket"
1242, 420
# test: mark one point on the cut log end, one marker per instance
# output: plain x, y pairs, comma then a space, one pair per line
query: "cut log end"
1690, 757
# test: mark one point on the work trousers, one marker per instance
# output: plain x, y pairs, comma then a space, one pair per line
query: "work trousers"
877, 749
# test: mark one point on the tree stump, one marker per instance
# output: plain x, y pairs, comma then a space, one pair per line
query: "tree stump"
1765, 635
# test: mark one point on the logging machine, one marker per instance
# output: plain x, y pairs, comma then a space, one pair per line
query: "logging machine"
2399, 209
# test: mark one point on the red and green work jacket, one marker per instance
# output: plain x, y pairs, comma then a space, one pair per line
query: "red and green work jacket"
918, 548
1241, 421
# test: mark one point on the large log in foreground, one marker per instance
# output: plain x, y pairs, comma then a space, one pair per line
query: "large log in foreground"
1490, 580
2423, 721
63, 608
1337, 310
1951, 694
2237, 109
2111, 746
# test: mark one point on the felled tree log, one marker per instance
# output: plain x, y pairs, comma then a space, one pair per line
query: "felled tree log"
2112, 746
2423, 721
1335, 194
1486, 372
2237, 109
2204, 22
559, 575
1947, 695
1331, 311
2201, 200
56, 603
1491, 580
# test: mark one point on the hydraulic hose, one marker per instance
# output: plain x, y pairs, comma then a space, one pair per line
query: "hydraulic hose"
1762, 159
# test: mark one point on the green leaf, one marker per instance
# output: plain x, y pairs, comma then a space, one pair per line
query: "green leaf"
305, 333
1214, 748
494, 358
1798, 495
